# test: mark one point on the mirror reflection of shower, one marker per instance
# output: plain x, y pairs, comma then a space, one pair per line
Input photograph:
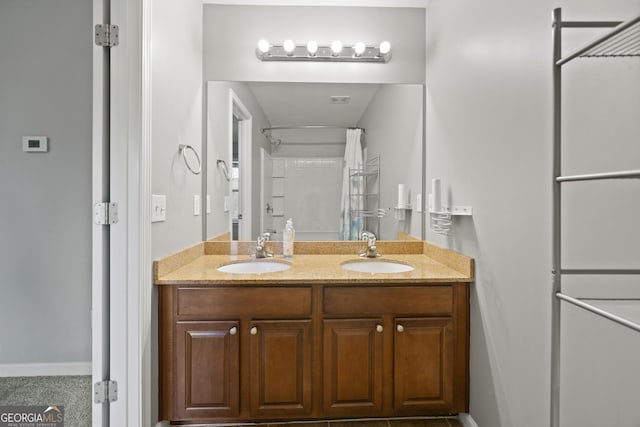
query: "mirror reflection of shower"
330, 191
298, 172
275, 143
306, 166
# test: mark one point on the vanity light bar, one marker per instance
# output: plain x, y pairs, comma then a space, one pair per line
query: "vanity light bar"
334, 52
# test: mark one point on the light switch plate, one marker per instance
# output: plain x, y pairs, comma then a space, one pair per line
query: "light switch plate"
196, 205
208, 204
158, 208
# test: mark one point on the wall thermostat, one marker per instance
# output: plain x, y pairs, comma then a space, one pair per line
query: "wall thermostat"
36, 144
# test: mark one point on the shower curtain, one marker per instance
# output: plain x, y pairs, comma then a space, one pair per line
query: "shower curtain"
350, 228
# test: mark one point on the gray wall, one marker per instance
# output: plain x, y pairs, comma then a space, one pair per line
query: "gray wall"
231, 34
393, 123
489, 139
176, 78
46, 214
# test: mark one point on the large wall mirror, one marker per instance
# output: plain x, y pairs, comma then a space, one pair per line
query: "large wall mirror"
276, 150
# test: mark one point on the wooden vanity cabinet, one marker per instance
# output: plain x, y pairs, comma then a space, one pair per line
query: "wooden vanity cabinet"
280, 368
352, 368
415, 361
259, 353
208, 383
423, 365
234, 353
422, 368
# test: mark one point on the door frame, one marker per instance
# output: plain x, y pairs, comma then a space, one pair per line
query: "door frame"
122, 274
245, 129
100, 235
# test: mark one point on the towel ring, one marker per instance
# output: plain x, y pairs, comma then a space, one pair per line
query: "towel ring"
222, 166
183, 149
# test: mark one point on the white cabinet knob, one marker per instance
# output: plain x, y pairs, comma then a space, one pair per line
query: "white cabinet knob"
400, 328
233, 330
254, 331
379, 328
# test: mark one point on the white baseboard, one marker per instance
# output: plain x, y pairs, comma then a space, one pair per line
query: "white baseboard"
467, 421
44, 369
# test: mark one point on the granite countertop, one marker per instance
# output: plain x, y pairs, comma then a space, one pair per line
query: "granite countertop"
318, 263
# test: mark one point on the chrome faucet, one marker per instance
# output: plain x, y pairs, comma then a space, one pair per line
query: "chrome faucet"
261, 246
372, 250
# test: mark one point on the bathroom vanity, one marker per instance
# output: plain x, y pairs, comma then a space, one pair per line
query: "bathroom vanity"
314, 341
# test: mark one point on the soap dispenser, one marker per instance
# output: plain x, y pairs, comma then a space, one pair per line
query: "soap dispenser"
287, 239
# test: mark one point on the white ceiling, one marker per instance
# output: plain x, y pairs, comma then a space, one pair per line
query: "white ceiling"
300, 104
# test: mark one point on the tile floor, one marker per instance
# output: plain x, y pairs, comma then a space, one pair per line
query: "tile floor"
394, 422
74, 393
372, 422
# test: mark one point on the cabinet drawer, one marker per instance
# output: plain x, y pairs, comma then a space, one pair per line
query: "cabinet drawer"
237, 302
432, 300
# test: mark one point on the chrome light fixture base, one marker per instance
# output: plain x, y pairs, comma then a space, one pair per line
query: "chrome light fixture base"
324, 53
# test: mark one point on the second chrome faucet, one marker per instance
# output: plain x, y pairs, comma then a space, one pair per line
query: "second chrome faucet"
372, 250
261, 246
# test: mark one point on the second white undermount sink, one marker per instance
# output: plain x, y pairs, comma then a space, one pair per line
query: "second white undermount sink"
376, 266
254, 267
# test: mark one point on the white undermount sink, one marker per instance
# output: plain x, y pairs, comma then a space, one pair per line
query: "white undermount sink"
376, 266
254, 267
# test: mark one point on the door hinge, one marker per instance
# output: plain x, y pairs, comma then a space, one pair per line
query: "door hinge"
105, 391
107, 35
105, 213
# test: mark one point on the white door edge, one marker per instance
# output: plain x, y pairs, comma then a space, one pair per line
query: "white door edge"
99, 269
130, 255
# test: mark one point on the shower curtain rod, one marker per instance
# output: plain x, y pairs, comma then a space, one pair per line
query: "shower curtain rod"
310, 127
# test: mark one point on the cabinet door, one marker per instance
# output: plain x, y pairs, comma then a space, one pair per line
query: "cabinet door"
352, 367
208, 374
423, 366
280, 363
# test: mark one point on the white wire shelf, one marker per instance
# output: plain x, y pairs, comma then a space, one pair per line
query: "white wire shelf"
623, 320
630, 174
622, 41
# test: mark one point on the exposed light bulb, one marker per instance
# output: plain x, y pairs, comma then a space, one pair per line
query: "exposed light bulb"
288, 50
289, 46
336, 47
312, 47
385, 47
263, 46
